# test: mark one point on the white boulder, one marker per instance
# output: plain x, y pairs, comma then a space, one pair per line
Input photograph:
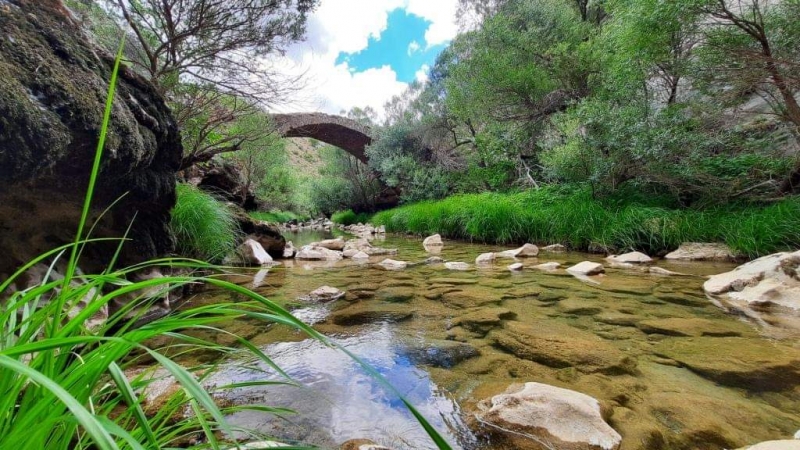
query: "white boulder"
485, 259
587, 268
550, 266
332, 244
250, 253
630, 258
313, 253
537, 416
769, 280
516, 267
526, 251
325, 294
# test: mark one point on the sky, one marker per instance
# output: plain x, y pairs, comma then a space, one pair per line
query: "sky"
363, 52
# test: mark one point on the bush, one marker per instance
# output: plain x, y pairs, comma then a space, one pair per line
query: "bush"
350, 218
278, 216
574, 218
205, 228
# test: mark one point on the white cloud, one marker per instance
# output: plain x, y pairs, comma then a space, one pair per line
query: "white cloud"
345, 26
422, 73
413, 47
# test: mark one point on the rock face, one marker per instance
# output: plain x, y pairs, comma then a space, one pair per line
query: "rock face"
695, 251
53, 87
630, 258
539, 416
224, 179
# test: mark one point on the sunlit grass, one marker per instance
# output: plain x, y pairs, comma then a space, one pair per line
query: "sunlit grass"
278, 216
574, 218
350, 218
204, 227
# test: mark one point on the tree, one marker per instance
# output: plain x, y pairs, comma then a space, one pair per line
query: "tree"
750, 46
202, 53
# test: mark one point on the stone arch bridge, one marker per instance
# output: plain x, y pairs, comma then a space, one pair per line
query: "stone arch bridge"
347, 134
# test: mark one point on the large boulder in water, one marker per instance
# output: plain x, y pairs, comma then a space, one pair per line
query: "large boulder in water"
538, 416
53, 88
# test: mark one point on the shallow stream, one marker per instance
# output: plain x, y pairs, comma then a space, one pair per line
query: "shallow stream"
670, 368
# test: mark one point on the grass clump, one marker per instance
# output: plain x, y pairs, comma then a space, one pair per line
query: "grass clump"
204, 227
278, 216
350, 218
574, 218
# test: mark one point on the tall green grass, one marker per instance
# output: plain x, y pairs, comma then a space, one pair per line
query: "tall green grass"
65, 384
350, 218
278, 216
204, 227
574, 218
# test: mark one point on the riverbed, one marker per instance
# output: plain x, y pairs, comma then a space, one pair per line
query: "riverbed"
670, 368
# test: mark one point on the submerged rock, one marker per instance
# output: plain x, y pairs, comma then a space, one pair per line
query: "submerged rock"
516, 267
548, 266
776, 445
587, 268
325, 294
362, 444
538, 416
695, 251
444, 354
736, 361
462, 266
484, 320
558, 345
391, 264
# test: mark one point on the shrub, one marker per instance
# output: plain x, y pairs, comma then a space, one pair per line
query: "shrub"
350, 218
573, 217
278, 216
204, 227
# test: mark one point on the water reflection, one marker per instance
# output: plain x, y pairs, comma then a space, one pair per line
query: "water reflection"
339, 401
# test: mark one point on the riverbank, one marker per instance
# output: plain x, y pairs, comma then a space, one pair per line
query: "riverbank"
575, 219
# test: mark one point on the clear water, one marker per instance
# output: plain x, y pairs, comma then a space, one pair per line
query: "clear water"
692, 375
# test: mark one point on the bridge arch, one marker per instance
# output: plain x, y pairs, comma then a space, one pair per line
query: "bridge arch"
347, 134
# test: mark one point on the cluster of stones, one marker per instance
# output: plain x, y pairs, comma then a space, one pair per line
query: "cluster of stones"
321, 224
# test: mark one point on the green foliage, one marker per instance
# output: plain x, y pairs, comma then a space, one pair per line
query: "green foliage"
204, 227
343, 182
350, 218
278, 216
574, 218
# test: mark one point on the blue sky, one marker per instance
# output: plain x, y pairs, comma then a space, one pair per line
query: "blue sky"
402, 46
360, 53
